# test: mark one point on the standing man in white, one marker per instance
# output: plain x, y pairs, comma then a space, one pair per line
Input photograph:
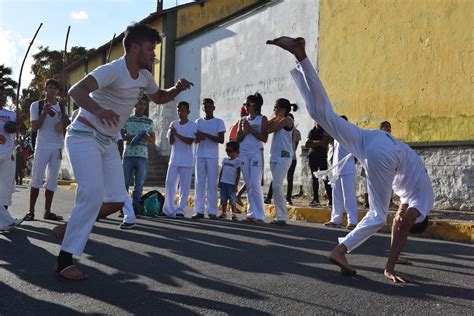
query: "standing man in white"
7, 164
181, 135
47, 117
210, 133
107, 97
343, 190
388, 162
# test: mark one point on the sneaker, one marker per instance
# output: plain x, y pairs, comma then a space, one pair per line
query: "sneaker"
212, 216
289, 202
120, 215
267, 201
29, 217
314, 203
127, 225
222, 215
197, 216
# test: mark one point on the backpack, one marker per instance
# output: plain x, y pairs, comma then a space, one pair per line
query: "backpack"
152, 204
34, 135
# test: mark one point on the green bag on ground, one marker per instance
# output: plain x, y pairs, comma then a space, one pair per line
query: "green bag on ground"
152, 203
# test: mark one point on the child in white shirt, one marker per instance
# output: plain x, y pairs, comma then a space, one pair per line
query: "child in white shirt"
229, 179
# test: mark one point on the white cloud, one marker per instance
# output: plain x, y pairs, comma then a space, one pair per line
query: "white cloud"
79, 15
12, 53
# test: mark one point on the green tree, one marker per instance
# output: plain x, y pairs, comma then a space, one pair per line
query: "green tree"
8, 83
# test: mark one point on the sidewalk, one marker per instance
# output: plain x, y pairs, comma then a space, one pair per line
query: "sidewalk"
443, 224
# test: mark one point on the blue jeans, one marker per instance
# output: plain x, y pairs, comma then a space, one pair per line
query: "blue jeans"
140, 166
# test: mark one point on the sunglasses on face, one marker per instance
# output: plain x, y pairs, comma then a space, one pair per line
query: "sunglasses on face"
248, 104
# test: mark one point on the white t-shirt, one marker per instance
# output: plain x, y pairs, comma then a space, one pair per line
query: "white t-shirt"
119, 92
281, 149
182, 153
48, 136
6, 116
206, 148
229, 170
250, 143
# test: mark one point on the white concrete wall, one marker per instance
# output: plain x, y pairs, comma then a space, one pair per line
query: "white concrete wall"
233, 61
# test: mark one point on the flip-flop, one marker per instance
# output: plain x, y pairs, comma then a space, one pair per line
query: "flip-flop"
62, 275
344, 270
53, 217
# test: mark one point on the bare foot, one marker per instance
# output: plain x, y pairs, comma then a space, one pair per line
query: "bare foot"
59, 231
296, 46
338, 257
71, 273
396, 277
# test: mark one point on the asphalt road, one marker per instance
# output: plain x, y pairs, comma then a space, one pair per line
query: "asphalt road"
186, 267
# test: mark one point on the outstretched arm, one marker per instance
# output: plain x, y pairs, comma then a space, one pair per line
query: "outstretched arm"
402, 223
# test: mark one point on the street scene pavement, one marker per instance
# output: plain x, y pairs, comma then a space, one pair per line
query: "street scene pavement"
188, 267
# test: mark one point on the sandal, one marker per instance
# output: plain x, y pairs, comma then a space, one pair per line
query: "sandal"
279, 223
70, 273
29, 217
53, 217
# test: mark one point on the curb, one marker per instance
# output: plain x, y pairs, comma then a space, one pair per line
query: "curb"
437, 229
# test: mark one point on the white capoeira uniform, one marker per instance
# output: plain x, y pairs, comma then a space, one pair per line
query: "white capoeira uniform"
343, 190
207, 166
180, 169
281, 157
386, 160
7, 170
48, 149
128, 211
251, 164
93, 152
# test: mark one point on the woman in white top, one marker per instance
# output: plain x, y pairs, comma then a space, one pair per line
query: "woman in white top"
252, 134
281, 154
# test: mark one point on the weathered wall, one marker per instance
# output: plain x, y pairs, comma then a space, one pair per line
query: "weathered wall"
194, 17
230, 62
408, 62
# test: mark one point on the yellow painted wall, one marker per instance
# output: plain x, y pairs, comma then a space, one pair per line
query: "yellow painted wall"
194, 17
405, 61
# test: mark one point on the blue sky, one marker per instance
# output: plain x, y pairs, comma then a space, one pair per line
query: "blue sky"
93, 23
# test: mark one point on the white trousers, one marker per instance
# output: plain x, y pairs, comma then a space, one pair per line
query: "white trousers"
99, 174
279, 171
7, 187
205, 185
175, 175
344, 198
128, 212
375, 150
251, 167
46, 161
7, 178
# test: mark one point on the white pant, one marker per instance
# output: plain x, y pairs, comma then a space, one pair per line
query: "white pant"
128, 212
7, 178
47, 161
206, 176
175, 175
279, 171
376, 151
98, 170
251, 167
344, 198
7, 187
